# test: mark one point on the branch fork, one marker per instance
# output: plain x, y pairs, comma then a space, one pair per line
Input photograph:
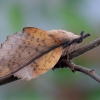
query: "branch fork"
84, 70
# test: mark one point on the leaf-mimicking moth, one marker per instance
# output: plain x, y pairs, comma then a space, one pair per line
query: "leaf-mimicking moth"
33, 51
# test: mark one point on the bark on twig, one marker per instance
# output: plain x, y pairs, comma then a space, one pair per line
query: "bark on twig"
74, 54
89, 72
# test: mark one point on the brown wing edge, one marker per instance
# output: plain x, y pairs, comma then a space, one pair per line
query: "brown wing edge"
31, 29
8, 79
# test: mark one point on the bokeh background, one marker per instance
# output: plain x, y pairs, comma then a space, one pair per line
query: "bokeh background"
70, 15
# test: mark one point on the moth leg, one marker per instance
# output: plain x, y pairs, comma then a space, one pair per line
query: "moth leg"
63, 63
58, 65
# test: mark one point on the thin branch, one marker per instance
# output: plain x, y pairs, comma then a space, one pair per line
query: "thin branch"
85, 49
74, 54
89, 72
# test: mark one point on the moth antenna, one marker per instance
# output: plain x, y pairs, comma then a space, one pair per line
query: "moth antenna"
86, 35
82, 33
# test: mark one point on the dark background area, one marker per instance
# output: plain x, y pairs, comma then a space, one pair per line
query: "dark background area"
70, 15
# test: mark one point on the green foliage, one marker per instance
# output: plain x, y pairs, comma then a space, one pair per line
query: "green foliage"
16, 17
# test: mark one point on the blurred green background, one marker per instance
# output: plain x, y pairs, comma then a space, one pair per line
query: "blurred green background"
70, 15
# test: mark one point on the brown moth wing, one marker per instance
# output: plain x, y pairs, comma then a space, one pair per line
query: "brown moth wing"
20, 47
40, 65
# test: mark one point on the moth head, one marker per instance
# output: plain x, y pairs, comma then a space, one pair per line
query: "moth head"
62, 35
65, 36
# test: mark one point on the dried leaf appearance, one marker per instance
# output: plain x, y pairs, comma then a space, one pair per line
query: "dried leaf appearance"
20, 48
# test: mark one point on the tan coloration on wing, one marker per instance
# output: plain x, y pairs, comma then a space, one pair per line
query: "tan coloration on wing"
24, 46
41, 65
47, 61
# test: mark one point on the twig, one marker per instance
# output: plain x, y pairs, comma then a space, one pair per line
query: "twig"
85, 49
84, 70
74, 54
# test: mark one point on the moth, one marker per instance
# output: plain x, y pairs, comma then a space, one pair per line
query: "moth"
33, 51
